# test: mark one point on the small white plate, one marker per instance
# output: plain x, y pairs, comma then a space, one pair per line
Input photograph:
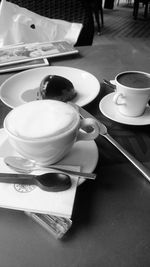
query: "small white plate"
83, 153
22, 87
109, 109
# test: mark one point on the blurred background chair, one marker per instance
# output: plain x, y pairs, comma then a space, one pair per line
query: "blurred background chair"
70, 10
136, 7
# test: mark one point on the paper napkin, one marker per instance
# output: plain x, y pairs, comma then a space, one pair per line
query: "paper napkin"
33, 199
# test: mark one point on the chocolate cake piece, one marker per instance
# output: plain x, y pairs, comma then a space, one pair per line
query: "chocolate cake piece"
57, 88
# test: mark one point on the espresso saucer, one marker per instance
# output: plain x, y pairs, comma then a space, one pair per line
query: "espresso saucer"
109, 109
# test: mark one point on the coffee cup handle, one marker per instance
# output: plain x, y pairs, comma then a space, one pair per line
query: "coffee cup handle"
119, 99
88, 124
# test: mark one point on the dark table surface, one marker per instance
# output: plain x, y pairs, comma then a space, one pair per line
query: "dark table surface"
111, 216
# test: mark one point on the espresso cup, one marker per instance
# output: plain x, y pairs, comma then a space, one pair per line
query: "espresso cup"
46, 130
132, 92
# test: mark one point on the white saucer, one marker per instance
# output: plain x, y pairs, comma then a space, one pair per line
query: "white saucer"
22, 87
83, 153
109, 109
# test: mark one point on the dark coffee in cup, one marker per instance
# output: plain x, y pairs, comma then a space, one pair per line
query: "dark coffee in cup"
134, 79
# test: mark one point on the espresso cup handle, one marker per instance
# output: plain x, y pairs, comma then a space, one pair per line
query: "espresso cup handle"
119, 99
93, 127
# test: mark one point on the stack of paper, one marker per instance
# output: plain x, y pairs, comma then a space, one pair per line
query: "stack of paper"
24, 65
25, 56
28, 52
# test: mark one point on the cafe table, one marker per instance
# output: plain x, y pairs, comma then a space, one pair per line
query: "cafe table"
111, 215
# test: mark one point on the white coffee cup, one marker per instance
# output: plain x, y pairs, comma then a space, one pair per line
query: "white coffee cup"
132, 92
45, 130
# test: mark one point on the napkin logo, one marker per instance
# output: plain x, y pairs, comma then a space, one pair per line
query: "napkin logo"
24, 188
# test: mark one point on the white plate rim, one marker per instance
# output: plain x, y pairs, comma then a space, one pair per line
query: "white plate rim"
116, 116
89, 96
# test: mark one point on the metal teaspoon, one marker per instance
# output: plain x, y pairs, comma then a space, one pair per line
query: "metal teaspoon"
52, 182
23, 165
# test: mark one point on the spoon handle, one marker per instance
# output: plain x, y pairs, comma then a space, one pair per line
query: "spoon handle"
12, 178
145, 172
113, 86
84, 175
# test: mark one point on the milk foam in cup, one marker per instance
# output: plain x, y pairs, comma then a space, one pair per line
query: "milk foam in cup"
45, 130
132, 92
41, 120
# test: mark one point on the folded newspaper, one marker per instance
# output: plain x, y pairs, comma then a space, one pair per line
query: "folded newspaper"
36, 63
14, 54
